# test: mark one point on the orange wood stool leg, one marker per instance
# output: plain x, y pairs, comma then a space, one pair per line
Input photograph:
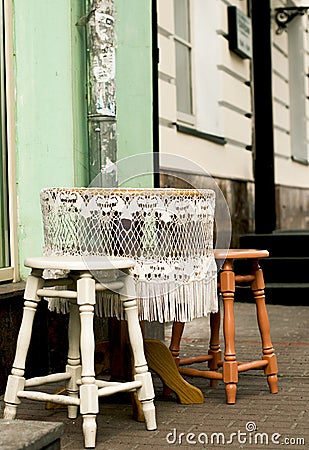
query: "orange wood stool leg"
174, 347
214, 345
230, 366
271, 370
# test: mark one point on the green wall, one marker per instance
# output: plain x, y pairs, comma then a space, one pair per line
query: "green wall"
51, 110
133, 30
51, 133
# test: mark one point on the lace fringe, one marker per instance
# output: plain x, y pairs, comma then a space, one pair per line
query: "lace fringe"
157, 303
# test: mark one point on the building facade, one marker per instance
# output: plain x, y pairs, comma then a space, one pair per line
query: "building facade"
206, 104
240, 113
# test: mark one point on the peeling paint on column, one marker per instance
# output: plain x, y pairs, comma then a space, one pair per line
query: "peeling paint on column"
102, 89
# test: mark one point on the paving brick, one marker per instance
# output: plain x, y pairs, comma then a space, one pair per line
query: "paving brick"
285, 413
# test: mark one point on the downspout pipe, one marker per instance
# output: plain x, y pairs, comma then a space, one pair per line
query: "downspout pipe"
265, 204
155, 94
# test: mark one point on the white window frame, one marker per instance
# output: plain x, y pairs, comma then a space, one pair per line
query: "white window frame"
207, 57
11, 272
182, 116
206, 76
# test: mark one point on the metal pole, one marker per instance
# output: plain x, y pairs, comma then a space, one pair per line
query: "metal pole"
101, 89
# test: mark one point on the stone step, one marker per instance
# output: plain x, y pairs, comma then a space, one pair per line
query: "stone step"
278, 294
30, 435
281, 269
279, 243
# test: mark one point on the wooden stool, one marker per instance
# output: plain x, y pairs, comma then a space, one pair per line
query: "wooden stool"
230, 366
82, 388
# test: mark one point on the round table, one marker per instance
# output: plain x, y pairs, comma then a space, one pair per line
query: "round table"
168, 232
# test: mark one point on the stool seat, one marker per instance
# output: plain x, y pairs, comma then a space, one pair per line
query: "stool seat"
79, 263
79, 287
231, 367
240, 253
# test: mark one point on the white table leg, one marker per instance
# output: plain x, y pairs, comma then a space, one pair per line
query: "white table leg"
73, 366
89, 400
16, 380
146, 392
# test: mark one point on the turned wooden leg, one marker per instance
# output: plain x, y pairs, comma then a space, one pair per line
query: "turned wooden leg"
174, 348
146, 392
89, 400
271, 370
177, 331
73, 365
214, 345
230, 367
16, 381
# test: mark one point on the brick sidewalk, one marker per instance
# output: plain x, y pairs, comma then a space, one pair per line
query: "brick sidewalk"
284, 414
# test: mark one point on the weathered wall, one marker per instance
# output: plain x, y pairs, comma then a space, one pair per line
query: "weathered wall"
293, 208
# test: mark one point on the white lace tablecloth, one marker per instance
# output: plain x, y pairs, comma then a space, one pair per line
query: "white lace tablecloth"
168, 232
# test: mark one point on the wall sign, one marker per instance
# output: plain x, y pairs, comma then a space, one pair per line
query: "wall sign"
240, 40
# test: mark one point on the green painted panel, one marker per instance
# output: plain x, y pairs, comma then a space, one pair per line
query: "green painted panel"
134, 85
50, 115
2, 206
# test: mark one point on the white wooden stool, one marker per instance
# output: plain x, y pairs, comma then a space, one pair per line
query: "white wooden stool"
83, 388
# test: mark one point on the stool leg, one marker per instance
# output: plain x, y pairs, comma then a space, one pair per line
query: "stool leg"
214, 344
271, 370
146, 392
73, 365
89, 400
16, 381
230, 367
174, 347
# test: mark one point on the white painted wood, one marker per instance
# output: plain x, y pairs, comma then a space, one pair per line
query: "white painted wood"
135, 336
120, 387
207, 155
165, 11
297, 86
15, 384
236, 93
52, 378
230, 62
167, 104
24, 335
281, 115
146, 391
9, 40
236, 126
281, 89
73, 367
79, 262
205, 56
43, 397
82, 387
282, 143
64, 293
291, 174
6, 273
90, 430
166, 56
280, 62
